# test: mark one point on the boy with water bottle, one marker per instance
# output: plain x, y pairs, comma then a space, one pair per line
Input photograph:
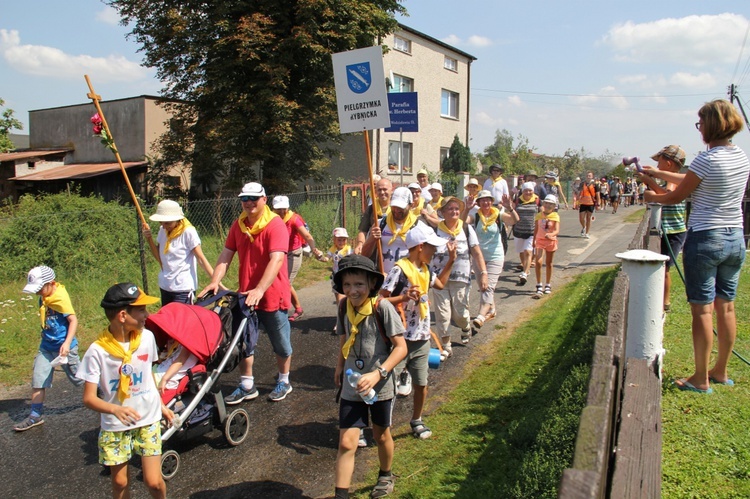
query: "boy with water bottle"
372, 344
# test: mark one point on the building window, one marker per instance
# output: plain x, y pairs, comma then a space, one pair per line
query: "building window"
450, 63
402, 44
402, 84
449, 104
444, 153
393, 149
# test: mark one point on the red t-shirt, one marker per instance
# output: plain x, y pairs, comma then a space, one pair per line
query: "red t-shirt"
255, 257
296, 240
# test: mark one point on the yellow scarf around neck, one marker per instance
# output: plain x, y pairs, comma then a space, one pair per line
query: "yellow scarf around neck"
488, 221
113, 347
408, 222
453, 232
437, 203
288, 216
420, 279
259, 225
340, 252
355, 317
58, 301
379, 209
181, 226
417, 210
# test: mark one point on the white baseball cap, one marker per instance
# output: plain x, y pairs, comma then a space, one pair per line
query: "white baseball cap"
436, 186
37, 278
401, 197
340, 232
421, 234
252, 189
280, 203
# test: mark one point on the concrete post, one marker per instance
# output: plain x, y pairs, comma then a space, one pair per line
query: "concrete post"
644, 335
654, 222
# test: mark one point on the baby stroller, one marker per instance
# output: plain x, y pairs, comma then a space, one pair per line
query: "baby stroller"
214, 336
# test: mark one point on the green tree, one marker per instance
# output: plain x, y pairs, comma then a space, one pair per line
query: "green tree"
7, 123
255, 79
516, 155
459, 158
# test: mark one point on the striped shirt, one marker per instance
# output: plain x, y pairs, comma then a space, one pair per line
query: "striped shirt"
673, 218
717, 201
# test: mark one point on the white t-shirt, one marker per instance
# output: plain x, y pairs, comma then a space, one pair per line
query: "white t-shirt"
417, 329
497, 189
461, 270
717, 201
161, 368
179, 266
397, 249
99, 367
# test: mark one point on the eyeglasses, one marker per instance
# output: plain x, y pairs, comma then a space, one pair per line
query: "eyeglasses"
254, 199
698, 125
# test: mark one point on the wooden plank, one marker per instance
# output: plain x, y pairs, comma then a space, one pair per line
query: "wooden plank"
603, 350
601, 386
578, 484
591, 442
637, 467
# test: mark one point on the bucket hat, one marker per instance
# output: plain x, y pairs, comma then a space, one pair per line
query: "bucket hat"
357, 262
167, 211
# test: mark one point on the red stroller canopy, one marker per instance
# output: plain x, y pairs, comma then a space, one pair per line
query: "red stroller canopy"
196, 328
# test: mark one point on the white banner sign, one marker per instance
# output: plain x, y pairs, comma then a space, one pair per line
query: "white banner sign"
361, 95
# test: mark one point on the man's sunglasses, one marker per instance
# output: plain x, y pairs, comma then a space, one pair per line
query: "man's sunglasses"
245, 199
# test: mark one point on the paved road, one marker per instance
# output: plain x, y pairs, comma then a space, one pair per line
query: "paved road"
292, 445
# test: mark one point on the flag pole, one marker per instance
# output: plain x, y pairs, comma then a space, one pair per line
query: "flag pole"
96, 98
373, 197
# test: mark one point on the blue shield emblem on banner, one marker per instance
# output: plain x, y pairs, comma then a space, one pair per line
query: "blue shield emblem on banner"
359, 77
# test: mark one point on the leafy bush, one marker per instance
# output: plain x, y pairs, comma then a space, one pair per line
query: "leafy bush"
74, 235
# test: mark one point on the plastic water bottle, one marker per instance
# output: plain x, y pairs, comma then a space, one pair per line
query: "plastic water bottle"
353, 378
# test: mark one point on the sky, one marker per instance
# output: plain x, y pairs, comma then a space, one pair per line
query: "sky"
625, 78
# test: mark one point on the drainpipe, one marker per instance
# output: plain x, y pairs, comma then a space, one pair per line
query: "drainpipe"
645, 327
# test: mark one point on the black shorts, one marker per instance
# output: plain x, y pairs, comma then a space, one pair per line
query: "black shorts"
583, 208
676, 241
355, 414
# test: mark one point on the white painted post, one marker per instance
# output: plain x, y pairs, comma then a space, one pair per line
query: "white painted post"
654, 221
645, 332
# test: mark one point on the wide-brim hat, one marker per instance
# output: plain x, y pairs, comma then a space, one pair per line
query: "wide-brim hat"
361, 263
486, 194
452, 199
496, 166
167, 211
472, 181
531, 174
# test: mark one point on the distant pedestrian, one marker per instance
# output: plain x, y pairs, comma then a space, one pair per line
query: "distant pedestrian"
523, 230
588, 198
496, 184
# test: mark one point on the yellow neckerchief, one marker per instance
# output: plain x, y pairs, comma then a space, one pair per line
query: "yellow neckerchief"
114, 348
355, 317
181, 226
417, 278
453, 232
408, 222
59, 301
533, 199
495, 182
379, 209
341, 252
436, 203
288, 216
259, 225
488, 221
417, 210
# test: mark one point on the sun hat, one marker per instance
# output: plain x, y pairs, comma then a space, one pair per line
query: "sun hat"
437, 186
126, 294
551, 198
486, 194
252, 189
672, 152
357, 262
551, 175
527, 186
167, 211
280, 203
37, 278
414, 185
472, 181
451, 199
340, 232
401, 197
497, 166
531, 174
422, 234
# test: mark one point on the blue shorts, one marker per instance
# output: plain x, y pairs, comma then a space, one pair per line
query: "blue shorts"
355, 414
43, 370
676, 242
713, 260
276, 325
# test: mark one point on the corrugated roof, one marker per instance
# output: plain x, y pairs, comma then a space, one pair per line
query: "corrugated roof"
78, 171
15, 156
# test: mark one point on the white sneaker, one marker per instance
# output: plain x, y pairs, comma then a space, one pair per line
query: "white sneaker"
446, 353
523, 278
403, 387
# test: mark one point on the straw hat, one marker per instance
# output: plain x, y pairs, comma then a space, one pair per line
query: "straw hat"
167, 211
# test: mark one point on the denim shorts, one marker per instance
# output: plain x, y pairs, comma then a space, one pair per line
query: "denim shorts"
713, 260
276, 325
43, 370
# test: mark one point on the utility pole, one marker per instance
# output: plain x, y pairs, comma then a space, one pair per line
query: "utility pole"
734, 96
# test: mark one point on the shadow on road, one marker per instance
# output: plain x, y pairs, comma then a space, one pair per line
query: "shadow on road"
308, 437
264, 489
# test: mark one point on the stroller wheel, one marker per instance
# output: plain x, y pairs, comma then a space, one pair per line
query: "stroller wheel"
237, 426
170, 463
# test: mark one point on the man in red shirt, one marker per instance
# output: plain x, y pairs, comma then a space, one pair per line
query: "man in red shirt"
261, 240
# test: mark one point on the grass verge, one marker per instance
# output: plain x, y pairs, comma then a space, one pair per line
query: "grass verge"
508, 429
705, 445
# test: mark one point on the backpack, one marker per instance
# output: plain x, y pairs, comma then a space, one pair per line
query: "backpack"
500, 227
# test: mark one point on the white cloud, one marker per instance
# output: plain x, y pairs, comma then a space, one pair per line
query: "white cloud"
451, 40
607, 96
482, 118
39, 60
693, 40
108, 16
694, 81
515, 101
475, 41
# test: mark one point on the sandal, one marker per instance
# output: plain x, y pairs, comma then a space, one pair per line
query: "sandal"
478, 322
419, 430
296, 315
547, 289
491, 315
383, 487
